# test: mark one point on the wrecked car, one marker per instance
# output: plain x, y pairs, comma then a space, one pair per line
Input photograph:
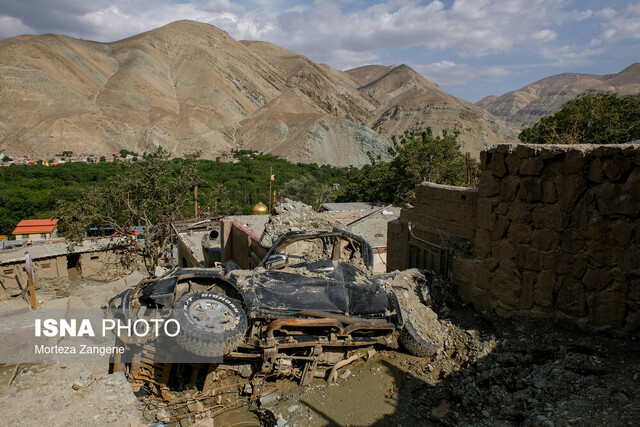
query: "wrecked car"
310, 307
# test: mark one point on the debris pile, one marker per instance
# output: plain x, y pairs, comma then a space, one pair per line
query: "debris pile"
538, 374
291, 215
451, 345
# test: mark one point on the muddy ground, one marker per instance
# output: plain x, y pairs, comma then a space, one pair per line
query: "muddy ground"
536, 373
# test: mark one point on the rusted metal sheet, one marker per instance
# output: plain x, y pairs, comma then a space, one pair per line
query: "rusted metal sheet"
428, 256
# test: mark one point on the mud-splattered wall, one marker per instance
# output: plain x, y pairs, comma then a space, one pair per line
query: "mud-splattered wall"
557, 234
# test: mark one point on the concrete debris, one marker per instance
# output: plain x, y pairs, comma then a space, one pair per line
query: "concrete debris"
291, 215
269, 399
441, 410
345, 374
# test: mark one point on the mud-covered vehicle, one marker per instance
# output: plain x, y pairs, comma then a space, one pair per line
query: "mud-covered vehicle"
309, 308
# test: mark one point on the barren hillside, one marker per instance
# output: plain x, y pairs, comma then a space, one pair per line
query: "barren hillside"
525, 107
406, 100
189, 86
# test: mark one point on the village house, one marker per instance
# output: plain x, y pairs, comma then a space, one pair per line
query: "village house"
36, 229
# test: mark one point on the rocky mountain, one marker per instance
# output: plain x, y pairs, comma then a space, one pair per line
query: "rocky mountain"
190, 86
406, 100
525, 107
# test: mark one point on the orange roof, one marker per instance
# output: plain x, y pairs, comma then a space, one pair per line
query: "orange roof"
35, 226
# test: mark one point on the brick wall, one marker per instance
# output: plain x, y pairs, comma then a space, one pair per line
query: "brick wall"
557, 234
442, 211
443, 218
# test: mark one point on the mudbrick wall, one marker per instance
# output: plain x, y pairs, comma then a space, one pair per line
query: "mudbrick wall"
557, 234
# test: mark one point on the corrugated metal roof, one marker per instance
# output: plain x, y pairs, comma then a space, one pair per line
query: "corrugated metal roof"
35, 226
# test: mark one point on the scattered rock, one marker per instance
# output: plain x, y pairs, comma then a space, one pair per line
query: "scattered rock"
345, 374
294, 216
293, 408
442, 410
269, 399
195, 407
537, 381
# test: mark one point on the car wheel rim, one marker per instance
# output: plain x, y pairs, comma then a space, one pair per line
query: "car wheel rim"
212, 314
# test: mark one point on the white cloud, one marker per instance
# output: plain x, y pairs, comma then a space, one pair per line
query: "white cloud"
10, 26
545, 36
571, 55
624, 25
607, 13
449, 73
469, 27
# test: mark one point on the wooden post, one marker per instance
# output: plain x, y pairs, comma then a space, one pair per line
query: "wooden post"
469, 170
270, 181
31, 281
197, 211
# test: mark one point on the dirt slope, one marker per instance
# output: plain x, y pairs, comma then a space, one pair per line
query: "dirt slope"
406, 100
190, 86
526, 106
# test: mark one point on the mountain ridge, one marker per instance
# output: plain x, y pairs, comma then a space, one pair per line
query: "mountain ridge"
190, 86
526, 106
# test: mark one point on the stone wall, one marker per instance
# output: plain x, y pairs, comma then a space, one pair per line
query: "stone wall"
557, 234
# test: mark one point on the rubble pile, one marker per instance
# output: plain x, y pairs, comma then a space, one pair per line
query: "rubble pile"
454, 346
291, 215
538, 374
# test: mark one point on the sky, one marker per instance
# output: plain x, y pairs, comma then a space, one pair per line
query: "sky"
471, 48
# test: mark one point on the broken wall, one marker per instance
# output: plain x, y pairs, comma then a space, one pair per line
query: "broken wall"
103, 265
557, 234
46, 269
441, 226
241, 245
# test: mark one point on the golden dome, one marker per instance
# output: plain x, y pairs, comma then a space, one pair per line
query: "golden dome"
260, 209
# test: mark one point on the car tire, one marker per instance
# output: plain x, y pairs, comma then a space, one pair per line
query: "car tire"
416, 345
211, 324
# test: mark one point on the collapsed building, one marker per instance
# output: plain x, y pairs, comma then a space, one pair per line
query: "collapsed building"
94, 259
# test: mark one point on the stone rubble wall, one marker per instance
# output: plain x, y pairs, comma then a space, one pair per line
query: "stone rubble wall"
557, 234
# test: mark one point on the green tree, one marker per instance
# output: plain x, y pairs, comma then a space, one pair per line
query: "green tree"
151, 195
307, 190
604, 118
6, 158
417, 158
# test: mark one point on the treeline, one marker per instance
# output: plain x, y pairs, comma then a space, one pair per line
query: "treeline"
227, 188
36, 191
603, 118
